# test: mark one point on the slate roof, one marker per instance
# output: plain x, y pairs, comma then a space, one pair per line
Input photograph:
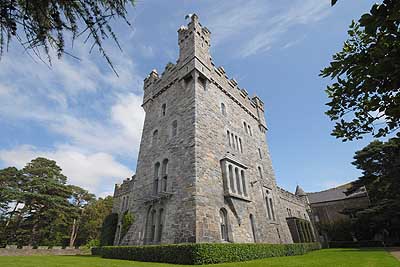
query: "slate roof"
334, 194
299, 191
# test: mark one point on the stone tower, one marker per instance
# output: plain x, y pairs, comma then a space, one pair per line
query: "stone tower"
204, 172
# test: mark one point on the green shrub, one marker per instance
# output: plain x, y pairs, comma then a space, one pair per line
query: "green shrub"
108, 230
127, 221
205, 253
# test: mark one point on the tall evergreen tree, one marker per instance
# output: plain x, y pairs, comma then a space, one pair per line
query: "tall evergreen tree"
380, 165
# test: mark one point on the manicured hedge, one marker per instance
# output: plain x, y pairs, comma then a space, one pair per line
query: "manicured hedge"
203, 253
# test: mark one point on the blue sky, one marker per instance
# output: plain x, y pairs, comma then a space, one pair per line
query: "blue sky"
88, 120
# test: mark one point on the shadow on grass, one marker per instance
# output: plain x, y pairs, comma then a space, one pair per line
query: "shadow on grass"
352, 250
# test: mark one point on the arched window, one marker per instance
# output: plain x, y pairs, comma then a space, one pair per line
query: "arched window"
243, 183
163, 109
253, 227
272, 208
155, 137
160, 224
236, 142
223, 109
251, 134
260, 172
229, 137
245, 126
156, 177
238, 183
231, 179
268, 208
153, 226
164, 175
224, 224
240, 145
174, 128
233, 140
259, 153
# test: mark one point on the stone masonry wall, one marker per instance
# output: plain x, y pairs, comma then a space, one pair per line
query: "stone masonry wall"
193, 90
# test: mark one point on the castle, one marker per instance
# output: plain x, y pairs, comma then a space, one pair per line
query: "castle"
204, 172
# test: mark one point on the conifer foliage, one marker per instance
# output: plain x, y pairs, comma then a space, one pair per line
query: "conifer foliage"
37, 24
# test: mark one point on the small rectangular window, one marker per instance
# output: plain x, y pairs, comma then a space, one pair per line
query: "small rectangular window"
174, 128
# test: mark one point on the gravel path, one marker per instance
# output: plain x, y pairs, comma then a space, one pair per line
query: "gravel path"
395, 252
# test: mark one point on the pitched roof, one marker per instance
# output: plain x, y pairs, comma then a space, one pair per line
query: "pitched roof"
299, 191
337, 193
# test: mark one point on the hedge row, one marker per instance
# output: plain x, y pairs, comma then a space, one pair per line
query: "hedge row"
203, 253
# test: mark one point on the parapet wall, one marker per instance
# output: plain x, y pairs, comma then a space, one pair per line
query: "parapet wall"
288, 196
12, 251
125, 187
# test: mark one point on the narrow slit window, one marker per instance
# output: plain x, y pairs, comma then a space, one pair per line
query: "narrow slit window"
238, 182
253, 227
244, 185
224, 225
223, 109
231, 179
268, 208
174, 128
260, 172
272, 208
163, 109
155, 138
160, 224
236, 142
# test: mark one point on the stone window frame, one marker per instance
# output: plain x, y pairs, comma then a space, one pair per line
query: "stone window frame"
223, 109
164, 175
163, 109
174, 128
253, 227
154, 137
270, 205
154, 224
234, 141
235, 180
224, 225
156, 178
260, 172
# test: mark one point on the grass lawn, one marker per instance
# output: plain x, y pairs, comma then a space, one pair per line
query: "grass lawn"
321, 258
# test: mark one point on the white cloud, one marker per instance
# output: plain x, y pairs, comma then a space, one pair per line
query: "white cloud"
88, 170
95, 116
258, 25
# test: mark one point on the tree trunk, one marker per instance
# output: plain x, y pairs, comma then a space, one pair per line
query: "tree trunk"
74, 233
33, 235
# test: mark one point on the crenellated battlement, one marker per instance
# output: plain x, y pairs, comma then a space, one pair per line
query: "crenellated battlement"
125, 187
290, 196
194, 43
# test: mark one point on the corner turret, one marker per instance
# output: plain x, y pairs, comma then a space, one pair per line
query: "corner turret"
300, 192
194, 42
